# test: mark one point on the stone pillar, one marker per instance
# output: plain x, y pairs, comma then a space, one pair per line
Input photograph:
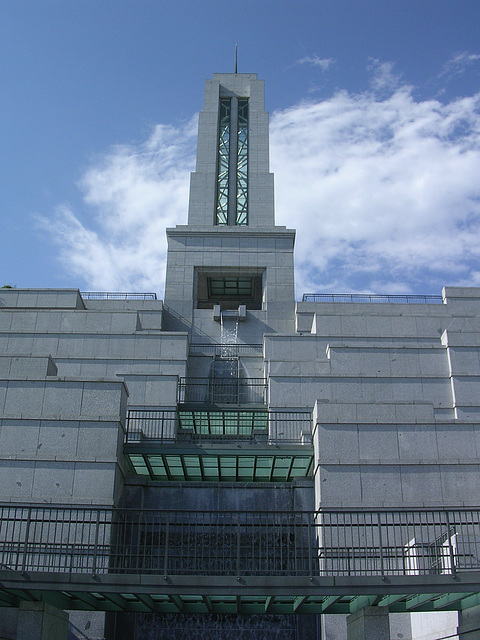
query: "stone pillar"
369, 623
41, 621
469, 624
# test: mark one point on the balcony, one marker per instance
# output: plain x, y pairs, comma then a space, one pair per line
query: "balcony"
279, 543
267, 562
170, 426
234, 445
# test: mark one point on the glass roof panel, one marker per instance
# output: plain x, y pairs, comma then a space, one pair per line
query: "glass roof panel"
283, 462
264, 462
161, 476
174, 462
228, 464
242, 468
192, 466
139, 465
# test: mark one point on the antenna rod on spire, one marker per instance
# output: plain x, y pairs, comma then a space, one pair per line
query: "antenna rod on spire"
235, 69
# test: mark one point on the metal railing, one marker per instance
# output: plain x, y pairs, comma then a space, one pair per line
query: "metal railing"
115, 295
151, 424
226, 350
290, 427
222, 390
367, 297
398, 542
162, 425
241, 543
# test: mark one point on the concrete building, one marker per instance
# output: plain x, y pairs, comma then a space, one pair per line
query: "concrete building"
230, 463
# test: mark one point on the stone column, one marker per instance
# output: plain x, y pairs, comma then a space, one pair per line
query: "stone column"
41, 621
469, 624
369, 623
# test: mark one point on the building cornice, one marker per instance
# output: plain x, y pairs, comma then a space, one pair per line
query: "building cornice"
254, 232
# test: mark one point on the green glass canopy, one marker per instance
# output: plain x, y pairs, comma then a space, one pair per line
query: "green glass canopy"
228, 467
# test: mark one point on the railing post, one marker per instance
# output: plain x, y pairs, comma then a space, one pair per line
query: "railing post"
238, 544
167, 532
380, 542
27, 533
310, 547
136, 559
450, 546
95, 548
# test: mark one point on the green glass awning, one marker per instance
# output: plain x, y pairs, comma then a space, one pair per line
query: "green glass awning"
227, 467
135, 596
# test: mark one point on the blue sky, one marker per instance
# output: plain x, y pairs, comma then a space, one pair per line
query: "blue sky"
375, 135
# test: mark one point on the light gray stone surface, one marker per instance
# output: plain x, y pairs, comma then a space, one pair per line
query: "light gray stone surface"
370, 623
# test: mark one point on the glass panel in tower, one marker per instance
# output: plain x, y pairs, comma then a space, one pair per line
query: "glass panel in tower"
242, 163
223, 161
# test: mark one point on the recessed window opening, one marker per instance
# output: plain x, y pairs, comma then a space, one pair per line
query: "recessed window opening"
229, 290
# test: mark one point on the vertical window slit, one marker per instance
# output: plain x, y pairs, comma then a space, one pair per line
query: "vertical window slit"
223, 163
242, 163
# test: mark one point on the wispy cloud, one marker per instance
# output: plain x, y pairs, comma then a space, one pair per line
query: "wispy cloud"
383, 79
323, 63
458, 64
382, 188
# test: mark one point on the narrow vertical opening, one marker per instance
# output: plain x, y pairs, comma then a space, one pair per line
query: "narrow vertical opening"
242, 163
223, 161
232, 162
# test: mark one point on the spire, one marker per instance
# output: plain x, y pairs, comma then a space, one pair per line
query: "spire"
235, 68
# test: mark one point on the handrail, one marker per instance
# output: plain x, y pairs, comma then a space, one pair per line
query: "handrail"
162, 425
232, 390
225, 349
116, 295
241, 543
370, 297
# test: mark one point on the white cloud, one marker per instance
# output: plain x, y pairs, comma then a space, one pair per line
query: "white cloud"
383, 78
458, 64
134, 193
316, 61
382, 188
384, 193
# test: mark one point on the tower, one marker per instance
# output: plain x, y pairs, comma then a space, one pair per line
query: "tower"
230, 282
230, 254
